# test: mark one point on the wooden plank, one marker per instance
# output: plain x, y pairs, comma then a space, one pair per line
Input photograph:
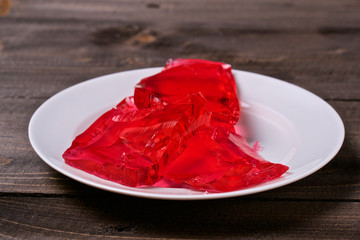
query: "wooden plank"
281, 13
319, 52
110, 216
22, 171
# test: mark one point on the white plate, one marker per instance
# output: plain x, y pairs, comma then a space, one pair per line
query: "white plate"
294, 127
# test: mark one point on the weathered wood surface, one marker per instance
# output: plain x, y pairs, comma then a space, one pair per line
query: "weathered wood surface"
46, 46
115, 216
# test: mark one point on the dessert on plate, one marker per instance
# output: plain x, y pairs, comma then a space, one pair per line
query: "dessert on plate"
178, 129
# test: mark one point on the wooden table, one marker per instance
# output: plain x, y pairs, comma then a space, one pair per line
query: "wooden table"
47, 46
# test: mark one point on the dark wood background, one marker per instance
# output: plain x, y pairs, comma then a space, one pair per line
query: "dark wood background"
49, 45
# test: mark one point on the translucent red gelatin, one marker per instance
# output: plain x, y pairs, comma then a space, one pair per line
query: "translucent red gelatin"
182, 77
217, 160
178, 128
131, 146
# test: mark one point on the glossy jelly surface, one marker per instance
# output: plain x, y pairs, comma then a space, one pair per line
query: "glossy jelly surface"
182, 77
178, 127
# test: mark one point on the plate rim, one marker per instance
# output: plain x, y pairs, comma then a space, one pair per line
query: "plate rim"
164, 196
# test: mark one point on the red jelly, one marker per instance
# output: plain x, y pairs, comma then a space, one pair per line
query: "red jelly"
102, 149
179, 127
217, 160
131, 146
181, 77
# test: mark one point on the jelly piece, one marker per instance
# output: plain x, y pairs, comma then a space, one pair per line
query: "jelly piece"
177, 130
131, 146
218, 161
182, 77
99, 149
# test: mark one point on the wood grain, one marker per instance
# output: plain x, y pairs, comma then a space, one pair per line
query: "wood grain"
47, 46
114, 216
5, 6
314, 52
